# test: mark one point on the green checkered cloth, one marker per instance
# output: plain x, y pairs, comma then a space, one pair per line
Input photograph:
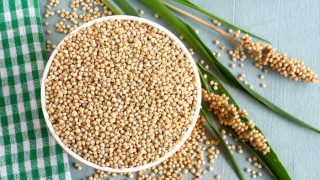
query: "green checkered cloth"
27, 150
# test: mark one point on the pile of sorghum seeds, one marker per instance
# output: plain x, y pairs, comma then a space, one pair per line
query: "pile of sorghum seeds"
229, 115
266, 55
189, 159
120, 93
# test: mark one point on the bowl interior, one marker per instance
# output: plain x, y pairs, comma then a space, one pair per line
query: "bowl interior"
185, 136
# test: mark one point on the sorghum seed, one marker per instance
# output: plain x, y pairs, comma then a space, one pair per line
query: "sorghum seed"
222, 47
156, 15
253, 175
263, 85
141, 11
217, 177
261, 76
77, 166
210, 168
248, 170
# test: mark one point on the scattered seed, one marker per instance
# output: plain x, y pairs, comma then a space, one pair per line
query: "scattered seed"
141, 11
185, 171
46, 23
217, 177
229, 30
261, 76
77, 166
263, 85
156, 15
210, 168
248, 170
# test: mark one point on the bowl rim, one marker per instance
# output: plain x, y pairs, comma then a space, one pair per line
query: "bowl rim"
141, 167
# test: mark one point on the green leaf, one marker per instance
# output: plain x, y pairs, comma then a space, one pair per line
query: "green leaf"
125, 6
111, 7
187, 32
269, 160
215, 133
226, 23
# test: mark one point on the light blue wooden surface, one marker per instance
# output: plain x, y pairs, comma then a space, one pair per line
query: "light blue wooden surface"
293, 27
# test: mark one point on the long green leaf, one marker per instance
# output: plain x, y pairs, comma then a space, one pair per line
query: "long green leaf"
111, 7
269, 160
126, 7
226, 23
187, 32
214, 131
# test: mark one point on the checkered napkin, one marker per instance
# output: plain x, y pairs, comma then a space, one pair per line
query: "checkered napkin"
27, 150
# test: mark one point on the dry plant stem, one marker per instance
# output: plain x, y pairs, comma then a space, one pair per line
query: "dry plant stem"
200, 21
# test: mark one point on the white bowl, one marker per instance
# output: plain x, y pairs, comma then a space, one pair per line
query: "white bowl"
138, 168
